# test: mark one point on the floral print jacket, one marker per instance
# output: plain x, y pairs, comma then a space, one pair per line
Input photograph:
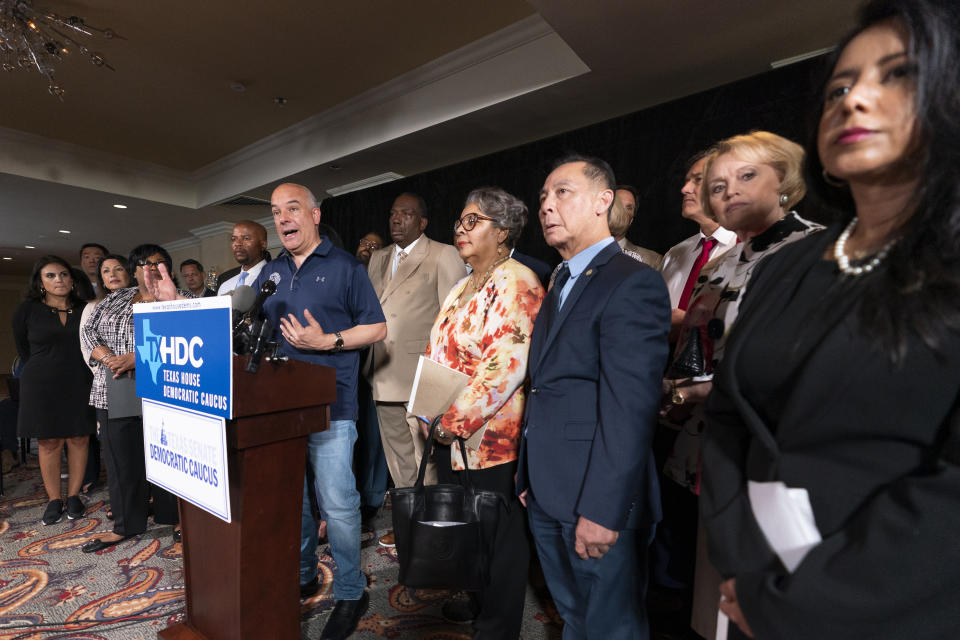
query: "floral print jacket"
488, 338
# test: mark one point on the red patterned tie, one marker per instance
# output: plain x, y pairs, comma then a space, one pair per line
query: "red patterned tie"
705, 248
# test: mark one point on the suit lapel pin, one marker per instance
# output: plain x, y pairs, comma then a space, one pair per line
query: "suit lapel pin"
589, 271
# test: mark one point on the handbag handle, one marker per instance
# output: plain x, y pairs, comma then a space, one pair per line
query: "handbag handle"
429, 449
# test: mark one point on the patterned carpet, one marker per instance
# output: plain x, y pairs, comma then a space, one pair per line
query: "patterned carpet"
50, 589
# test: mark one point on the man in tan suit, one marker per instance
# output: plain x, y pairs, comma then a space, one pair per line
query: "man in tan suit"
620, 217
411, 277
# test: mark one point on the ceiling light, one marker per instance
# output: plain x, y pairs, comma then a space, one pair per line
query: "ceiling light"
63, 231
119, 206
29, 246
785, 62
6, 258
34, 38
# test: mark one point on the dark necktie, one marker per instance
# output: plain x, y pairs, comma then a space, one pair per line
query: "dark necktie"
561, 279
705, 248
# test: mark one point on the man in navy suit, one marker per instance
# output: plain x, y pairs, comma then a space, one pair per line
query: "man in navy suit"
597, 355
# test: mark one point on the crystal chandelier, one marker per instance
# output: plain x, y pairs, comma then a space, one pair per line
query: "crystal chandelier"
32, 38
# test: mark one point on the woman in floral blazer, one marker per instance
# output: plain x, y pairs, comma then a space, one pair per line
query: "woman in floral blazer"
483, 330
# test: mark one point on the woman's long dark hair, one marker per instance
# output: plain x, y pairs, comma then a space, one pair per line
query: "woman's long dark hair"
918, 291
35, 288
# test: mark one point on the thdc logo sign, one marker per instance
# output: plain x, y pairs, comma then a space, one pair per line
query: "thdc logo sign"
156, 350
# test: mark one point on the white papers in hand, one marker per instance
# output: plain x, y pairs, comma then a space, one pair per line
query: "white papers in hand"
786, 519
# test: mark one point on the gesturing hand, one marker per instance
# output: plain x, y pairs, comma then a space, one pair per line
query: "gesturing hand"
160, 284
592, 539
305, 337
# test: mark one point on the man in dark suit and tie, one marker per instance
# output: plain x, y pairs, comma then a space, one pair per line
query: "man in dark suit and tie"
597, 355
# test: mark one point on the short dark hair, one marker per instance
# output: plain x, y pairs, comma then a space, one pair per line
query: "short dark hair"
96, 246
112, 256
191, 261
695, 158
35, 288
421, 203
597, 169
928, 251
143, 251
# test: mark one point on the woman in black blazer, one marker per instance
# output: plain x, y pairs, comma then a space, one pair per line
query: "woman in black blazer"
841, 377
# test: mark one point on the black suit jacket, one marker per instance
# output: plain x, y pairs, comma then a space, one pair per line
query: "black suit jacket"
595, 376
874, 445
226, 275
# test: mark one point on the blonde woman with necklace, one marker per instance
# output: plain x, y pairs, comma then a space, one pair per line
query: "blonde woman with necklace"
55, 382
483, 329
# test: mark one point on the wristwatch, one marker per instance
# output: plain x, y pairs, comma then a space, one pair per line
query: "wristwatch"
338, 345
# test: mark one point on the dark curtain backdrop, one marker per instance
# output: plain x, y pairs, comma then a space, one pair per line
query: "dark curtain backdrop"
647, 149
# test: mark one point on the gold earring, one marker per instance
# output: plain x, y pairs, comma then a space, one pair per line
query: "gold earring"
499, 249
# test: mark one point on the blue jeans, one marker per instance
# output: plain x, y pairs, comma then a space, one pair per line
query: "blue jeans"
371, 465
597, 598
330, 456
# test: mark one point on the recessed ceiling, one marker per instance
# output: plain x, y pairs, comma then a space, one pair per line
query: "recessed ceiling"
374, 87
169, 102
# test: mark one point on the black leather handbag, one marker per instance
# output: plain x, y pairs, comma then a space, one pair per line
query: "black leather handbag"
688, 359
444, 533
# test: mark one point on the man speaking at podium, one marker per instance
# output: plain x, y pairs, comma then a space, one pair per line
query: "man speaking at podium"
326, 310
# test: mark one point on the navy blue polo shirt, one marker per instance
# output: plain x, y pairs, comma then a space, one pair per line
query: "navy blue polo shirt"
336, 290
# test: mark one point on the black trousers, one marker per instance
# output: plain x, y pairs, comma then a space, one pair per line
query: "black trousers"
501, 603
92, 472
127, 478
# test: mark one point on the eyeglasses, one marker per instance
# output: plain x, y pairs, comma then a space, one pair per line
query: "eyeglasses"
366, 244
146, 264
469, 221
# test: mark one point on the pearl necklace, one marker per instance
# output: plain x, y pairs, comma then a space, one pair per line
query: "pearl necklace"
843, 262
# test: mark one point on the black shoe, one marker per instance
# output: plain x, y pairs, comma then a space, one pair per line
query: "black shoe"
99, 545
178, 535
75, 508
459, 611
53, 513
345, 617
310, 589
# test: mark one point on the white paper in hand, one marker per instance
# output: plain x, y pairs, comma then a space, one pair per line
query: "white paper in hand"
786, 519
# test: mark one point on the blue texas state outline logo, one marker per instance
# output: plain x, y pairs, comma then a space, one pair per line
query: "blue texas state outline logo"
149, 351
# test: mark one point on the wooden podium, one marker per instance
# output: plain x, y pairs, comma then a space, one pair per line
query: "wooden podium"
242, 578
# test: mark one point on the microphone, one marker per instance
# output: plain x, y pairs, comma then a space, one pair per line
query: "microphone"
267, 289
243, 297
251, 333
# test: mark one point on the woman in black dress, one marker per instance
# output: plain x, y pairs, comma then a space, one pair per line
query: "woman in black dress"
841, 379
55, 384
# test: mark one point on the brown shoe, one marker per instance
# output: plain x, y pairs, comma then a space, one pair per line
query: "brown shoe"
387, 540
